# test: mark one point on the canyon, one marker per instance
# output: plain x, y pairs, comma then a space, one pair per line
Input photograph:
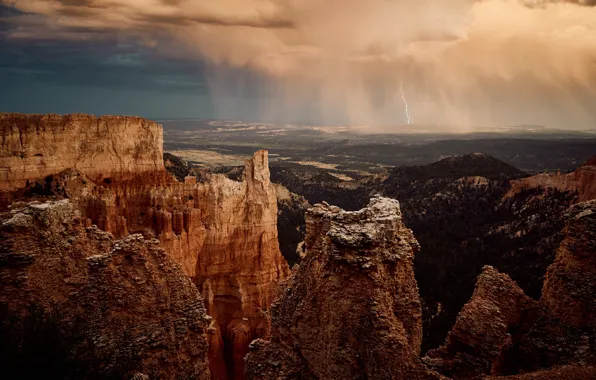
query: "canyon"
465, 213
223, 233
501, 331
123, 262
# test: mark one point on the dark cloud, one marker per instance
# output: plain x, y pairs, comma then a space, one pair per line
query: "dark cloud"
460, 62
109, 62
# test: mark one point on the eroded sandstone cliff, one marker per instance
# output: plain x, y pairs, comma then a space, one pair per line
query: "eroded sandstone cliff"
90, 306
351, 308
582, 180
222, 232
34, 146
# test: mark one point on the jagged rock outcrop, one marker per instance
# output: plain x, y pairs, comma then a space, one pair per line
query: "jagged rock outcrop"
34, 146
483, 328
351, 308
222, 232
582, 180
502, 332
92, 306
239, 264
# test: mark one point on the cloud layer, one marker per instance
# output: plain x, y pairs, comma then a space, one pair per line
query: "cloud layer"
462, 63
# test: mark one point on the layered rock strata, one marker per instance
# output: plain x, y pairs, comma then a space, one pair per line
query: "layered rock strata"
103, 307
502, 332
582, 180
34, 146
351, 309
222, 232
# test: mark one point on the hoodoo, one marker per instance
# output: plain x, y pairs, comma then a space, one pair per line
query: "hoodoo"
351, 310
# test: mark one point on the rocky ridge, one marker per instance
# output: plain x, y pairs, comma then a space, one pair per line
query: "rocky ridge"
222, 232
105, 307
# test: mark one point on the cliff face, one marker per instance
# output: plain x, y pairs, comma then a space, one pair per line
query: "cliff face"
582, 180
91, 305
222, 232
34, 146
239, 264
351, 308
500, 331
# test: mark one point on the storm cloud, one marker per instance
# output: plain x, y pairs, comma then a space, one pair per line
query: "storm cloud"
462, 63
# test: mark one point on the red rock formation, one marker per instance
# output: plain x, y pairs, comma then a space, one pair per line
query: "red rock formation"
124, 305
582, 180
351, 310
222, 232
34, 146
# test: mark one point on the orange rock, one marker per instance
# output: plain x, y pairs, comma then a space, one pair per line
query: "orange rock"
582, 180
34, 146
223, 233
111, 308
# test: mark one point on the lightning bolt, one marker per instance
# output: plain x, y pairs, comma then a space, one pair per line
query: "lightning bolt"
403, 97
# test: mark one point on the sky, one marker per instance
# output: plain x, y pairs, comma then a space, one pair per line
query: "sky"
457, 64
